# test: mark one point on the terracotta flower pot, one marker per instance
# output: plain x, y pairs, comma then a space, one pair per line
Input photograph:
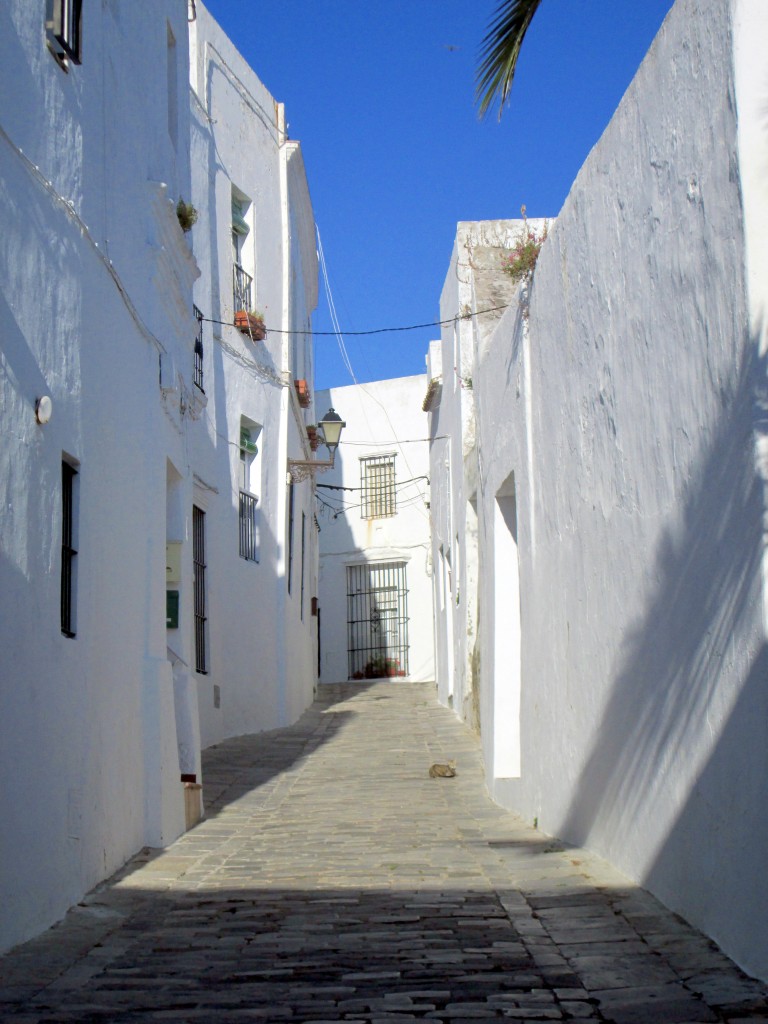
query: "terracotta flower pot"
250, 324
302, 391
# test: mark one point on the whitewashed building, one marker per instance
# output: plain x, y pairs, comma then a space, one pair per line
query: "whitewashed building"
376, 612
618, 445
124, 430
473, 285
95, 320
254, 665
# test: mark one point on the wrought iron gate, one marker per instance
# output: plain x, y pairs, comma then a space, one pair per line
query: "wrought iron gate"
377, 620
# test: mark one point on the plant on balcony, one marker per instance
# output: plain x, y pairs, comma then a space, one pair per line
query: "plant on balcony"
302, 390
187, 215
251, 323
520, 261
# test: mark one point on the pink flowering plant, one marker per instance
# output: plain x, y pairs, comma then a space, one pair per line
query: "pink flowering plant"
520, 261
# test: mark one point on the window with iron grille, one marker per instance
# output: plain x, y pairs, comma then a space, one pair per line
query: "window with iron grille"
199, 349
303, 549
242, 288
200, 602
68, 550
378, 486
290, 535
63, 30
377, 620
249, 525
242, 281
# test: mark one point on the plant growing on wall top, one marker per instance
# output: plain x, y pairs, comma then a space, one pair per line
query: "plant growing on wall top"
186, 214
520, 261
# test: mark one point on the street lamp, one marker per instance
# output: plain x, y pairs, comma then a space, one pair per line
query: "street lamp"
331, 425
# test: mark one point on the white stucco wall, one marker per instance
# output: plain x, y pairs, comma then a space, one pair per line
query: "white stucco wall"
383, 417
617, 434
473, 285
96, 300
262, 663
96, 286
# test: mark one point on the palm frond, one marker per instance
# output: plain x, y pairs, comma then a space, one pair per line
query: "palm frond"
500, 50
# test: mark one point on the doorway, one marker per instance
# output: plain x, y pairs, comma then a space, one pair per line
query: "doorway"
377, 620
506, 634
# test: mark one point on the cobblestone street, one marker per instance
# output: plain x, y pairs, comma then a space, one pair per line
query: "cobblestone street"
333, 879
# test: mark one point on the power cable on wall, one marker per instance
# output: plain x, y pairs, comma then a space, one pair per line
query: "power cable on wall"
68, 207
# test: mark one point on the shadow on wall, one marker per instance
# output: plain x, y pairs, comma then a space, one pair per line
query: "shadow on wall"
686, 668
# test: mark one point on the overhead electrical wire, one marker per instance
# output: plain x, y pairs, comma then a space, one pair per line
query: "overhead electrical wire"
345, 355
398, 483
332, 307
408, 440
375, 330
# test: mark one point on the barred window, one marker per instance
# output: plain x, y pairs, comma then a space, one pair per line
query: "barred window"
69, 516
198, 378
200, 590
249, 525
378, 486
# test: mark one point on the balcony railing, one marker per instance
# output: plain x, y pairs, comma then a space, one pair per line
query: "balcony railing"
249, 540
242, 288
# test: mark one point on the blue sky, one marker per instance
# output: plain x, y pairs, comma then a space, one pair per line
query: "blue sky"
381, 97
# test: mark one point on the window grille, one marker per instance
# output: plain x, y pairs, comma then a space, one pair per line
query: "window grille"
249, 535
379, 497
68, 551
64, 34
303, 546
199, 350
249, 546
290, 534
377, 620
199, 565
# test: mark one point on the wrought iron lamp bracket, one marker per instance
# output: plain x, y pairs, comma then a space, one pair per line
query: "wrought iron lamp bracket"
300, 469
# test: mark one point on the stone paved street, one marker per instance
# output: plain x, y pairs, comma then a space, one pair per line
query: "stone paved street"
332, 879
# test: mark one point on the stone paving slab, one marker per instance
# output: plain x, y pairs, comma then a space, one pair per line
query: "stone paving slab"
333, 880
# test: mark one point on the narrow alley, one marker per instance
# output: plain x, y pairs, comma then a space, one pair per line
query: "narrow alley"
333, 879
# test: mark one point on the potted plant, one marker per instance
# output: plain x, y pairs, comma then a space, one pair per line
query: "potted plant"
302, 390
376, 668
251, 322
314, 437
186, 214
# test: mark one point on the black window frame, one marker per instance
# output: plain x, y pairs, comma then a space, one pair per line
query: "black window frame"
68, 549
291, 511
248, 503
303, 553
65, 34
200, 590
198, 375
249, 530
